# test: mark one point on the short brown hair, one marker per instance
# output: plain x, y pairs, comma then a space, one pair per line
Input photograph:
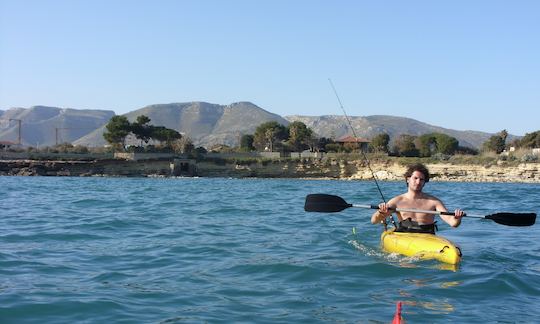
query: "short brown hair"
417, 167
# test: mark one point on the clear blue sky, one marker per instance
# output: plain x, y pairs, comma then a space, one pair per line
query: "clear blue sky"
467, 65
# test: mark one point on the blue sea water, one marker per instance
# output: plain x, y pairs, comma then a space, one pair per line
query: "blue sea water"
192, 250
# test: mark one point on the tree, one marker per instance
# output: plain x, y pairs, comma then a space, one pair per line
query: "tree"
379, 143
426, 144
268, 134
164, 134
200, 150
141, 129
246, 143
299, 136
496, 143
321, 142
446, 144
530, 140
117, 129
429, 144
466, 150
333, 147
404, 146
142, 120
183, 145
504, 135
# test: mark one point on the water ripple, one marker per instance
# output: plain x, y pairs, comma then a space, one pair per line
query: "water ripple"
226, 250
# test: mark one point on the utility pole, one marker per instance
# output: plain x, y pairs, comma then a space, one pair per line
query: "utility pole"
56, 133
19, 124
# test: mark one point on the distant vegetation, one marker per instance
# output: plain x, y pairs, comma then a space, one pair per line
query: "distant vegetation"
297, 137
434, 147
272, 136
530, 140
119, 128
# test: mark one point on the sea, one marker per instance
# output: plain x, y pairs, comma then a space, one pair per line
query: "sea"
221, 250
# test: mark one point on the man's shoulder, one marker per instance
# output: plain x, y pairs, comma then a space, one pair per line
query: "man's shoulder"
399, 197
430, 197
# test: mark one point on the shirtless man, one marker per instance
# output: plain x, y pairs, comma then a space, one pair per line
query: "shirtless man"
416, 176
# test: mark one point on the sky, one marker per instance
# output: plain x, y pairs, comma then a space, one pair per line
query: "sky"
464, 65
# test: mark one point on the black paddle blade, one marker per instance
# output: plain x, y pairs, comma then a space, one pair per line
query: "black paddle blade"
513, 219
323, 203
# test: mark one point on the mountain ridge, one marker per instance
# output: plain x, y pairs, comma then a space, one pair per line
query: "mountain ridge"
45, 125
206, 124
335, 126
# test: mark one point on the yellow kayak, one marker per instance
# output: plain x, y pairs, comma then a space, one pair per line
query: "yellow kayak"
423, 246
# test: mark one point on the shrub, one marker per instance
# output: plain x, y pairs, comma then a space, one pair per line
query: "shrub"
529, 158
441, 157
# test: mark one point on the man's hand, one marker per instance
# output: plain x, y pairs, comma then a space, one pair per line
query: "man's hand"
384, 209
458, 213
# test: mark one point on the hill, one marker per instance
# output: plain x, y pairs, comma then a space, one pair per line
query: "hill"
205, 123
367, 127
44, 126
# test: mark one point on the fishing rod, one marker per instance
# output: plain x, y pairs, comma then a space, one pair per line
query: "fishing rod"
363, 153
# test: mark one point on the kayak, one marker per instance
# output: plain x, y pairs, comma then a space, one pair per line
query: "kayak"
423, 246
398, 319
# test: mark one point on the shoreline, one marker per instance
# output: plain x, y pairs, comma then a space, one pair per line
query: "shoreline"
311, 169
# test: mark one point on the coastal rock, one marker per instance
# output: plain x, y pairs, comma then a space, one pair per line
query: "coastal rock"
303, 168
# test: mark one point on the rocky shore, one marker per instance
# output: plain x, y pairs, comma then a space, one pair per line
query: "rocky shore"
110, 167
525, 172
304, 168
390, 171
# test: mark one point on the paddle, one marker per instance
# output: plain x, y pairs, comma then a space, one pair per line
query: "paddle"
324, 203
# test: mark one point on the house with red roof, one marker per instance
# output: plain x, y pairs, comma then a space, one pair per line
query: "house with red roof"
352, 141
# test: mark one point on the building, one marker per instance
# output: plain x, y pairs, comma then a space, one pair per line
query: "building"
362, 143
5, 145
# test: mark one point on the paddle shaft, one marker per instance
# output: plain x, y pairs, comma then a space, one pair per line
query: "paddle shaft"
411, 210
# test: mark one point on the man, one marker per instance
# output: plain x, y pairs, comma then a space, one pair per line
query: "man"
416, 176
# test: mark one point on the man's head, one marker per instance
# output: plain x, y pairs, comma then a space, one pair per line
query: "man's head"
417, 167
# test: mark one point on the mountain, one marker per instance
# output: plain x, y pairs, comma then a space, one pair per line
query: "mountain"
205, 123
370, 126
45, 126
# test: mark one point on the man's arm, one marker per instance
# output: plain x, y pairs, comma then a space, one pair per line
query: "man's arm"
380, 214
383, 211
452, 220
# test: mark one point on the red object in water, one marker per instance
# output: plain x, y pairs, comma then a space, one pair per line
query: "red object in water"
397, 316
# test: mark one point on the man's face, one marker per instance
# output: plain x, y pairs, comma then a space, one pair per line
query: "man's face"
416, 181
